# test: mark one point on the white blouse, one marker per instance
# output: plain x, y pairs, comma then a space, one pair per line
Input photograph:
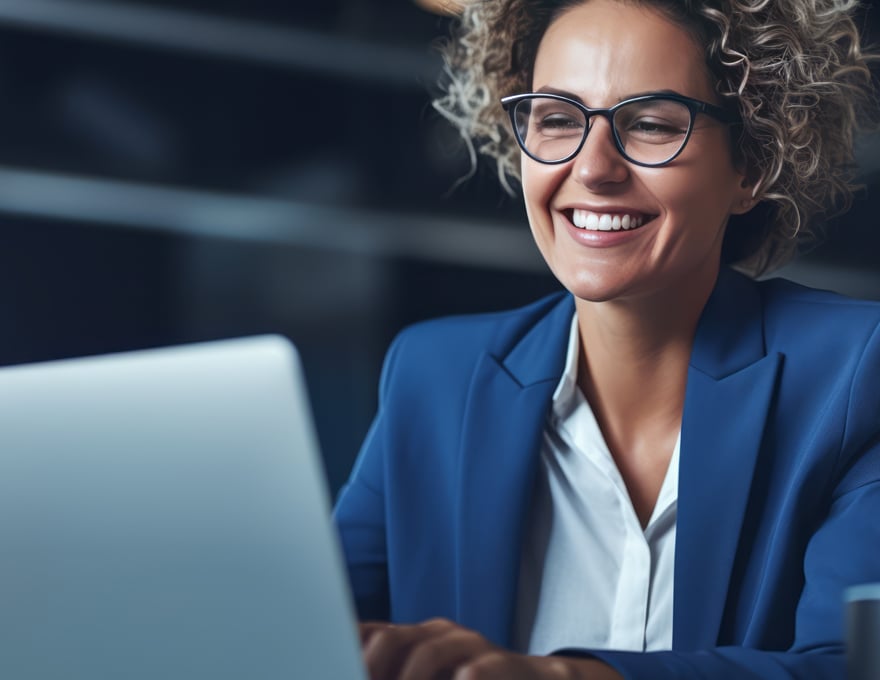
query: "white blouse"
589, 575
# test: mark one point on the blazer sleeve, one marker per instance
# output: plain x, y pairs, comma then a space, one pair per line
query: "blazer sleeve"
844, 550
359, 513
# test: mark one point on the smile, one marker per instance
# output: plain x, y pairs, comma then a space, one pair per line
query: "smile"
584, 219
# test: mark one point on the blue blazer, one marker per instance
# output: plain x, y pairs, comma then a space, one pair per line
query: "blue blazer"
779, 481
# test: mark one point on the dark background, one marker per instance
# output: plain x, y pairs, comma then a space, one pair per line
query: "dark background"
182, 170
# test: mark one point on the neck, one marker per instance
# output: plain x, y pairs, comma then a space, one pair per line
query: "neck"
634, 360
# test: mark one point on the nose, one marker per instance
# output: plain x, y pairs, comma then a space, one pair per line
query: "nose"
599, 162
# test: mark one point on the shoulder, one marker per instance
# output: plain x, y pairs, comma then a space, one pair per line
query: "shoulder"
495, 333
796, 315
784, 295
439, 353
831, 349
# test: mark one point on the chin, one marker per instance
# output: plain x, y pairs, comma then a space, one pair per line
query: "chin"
595, 282
593, 289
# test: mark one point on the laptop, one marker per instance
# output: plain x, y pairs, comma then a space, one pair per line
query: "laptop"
163, 514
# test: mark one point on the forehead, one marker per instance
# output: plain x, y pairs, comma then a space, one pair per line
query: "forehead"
606, 50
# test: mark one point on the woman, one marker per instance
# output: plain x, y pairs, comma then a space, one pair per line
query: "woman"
672, 471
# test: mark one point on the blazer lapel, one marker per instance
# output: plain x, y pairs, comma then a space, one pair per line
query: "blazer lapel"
504, 420
729, 392
730, 389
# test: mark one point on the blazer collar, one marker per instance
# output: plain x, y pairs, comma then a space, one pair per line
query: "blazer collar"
539, 354
730, 334
508, 400
730, 389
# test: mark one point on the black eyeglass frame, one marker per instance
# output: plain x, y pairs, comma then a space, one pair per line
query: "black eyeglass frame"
695, 106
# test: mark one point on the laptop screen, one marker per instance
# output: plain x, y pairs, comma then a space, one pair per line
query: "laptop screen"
163, 514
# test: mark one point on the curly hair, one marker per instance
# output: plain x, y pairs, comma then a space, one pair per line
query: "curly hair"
794, 69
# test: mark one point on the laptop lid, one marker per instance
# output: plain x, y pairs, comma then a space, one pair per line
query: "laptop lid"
163, 514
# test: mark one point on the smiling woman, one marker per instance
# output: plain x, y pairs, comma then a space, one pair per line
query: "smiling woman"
683, 199
671, 470
789, 66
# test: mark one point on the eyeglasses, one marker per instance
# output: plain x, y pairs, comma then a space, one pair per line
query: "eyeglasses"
650, 130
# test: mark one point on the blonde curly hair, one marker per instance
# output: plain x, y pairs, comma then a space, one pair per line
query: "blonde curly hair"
794, 69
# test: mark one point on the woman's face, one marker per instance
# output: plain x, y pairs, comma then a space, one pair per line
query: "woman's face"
600, 53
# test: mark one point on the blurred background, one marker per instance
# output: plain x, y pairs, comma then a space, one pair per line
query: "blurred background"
184, 170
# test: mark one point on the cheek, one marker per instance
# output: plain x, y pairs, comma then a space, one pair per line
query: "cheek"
712, 202
539, 184
709, 185
703, 194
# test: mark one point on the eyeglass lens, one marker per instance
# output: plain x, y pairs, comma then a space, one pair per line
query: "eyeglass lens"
650, 131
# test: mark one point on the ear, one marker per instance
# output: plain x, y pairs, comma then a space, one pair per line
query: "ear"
746, 196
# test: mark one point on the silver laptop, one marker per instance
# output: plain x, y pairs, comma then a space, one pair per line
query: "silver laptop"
163, 514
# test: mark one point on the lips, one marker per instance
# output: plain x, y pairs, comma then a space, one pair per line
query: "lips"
610, 221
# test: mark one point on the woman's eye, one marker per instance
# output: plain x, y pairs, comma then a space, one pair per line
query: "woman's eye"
558, 122
646, 126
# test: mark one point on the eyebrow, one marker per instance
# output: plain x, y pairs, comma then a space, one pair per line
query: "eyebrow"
572, 95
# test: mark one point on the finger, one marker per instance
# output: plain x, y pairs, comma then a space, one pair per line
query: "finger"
387, 647
493, 665
367, 629
439, 656
497, 664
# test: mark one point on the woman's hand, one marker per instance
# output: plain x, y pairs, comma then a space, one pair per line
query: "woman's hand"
442, 650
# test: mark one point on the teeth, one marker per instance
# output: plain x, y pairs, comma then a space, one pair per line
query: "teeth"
604, 221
